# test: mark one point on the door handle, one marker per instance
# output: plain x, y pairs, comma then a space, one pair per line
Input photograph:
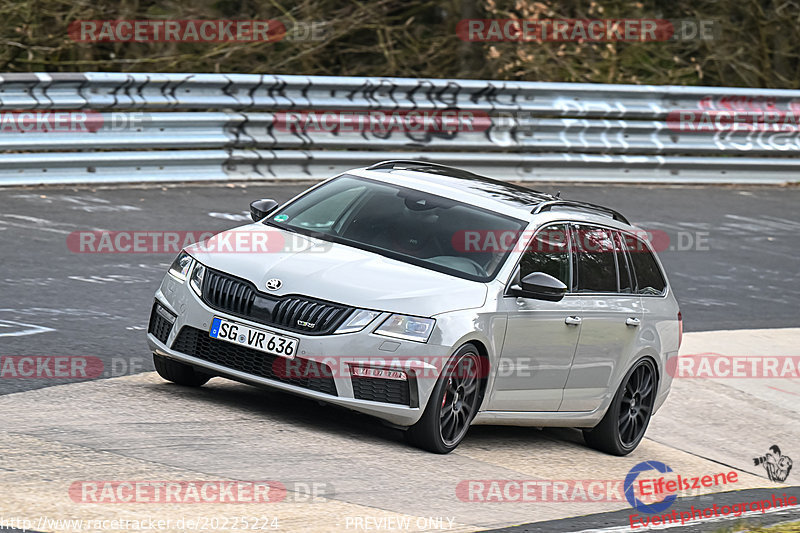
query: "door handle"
631, 321
572, 320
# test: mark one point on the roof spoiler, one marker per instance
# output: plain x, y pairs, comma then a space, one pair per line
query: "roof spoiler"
547, 206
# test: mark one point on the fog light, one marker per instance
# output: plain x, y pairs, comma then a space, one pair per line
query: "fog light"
166, 315
377, 372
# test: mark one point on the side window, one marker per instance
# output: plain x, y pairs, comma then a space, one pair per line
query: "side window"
548, 252
626, 279
597, 266
649, 279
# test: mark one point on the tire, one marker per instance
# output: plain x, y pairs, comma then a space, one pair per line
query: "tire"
452, 405
178, 372
624, 424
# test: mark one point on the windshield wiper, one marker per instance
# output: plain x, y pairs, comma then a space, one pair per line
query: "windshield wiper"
279, 226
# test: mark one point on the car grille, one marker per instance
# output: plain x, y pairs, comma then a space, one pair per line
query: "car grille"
299, 372
159, 326
381, 390
295, 313
291, 311
228, 293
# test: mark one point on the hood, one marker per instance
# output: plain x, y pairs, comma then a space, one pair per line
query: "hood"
335, 272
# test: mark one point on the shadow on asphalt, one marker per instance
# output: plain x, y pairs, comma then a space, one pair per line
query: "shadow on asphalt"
313, 415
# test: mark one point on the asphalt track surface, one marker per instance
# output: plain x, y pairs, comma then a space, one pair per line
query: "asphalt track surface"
141, 428
733, 266
733, 262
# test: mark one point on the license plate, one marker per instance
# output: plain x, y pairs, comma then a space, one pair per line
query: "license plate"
255, 338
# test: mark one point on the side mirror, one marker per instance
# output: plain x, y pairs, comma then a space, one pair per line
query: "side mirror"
261, 208
540, 286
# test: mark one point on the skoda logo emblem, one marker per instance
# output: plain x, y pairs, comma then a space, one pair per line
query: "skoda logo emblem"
274, 284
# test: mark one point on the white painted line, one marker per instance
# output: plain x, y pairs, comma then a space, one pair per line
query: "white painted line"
33, 226
40, 224
28, 329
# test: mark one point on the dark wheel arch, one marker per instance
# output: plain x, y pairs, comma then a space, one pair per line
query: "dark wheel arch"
486, 367
625, 422
453, 404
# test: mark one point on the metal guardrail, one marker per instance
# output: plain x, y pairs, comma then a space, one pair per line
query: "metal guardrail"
168, 127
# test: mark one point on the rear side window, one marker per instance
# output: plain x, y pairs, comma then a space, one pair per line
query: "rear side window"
548, 252
597, 266
649, 279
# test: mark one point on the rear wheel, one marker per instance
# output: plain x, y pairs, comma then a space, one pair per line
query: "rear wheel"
452, 406
178, 372
623, 426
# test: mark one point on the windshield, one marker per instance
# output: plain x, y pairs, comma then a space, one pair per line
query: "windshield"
405, 224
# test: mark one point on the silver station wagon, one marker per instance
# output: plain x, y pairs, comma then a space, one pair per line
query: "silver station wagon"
432, 298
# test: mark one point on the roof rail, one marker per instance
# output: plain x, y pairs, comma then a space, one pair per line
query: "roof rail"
452, 171
547, 206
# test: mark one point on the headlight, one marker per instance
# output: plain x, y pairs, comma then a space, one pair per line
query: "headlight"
196, 279
410, 328
357, 321
180, 267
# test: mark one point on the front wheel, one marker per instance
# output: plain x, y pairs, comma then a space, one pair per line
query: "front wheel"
623, 426
452, 405
178, 372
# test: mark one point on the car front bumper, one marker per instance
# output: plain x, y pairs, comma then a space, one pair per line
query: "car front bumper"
421, 362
